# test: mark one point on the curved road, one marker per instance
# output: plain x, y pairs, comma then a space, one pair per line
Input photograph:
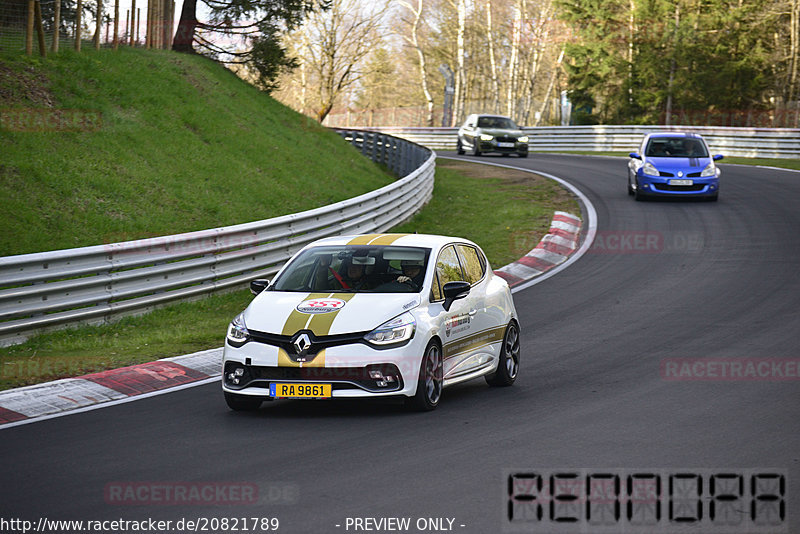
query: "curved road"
672, 281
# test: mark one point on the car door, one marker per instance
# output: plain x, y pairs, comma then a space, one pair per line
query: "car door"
457, 327
487, 316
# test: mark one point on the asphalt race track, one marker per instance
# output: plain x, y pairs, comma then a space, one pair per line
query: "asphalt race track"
601, 390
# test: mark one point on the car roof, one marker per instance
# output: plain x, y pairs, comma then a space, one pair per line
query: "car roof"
404, 240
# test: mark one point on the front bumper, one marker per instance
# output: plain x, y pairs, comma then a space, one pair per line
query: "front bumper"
348, 368
504, 146
659, 185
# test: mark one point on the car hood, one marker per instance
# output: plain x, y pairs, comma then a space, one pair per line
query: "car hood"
279, 312
690, 164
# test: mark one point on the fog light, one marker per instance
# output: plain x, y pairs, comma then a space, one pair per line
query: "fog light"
376, 375
381, 383
390, 379
235, 375
646, 186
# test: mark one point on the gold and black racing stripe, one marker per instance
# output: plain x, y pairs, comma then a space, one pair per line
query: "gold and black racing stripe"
316, 327
473, 342
376, 239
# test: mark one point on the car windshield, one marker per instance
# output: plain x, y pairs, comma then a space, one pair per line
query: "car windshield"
355, 269
497, 122
676, 147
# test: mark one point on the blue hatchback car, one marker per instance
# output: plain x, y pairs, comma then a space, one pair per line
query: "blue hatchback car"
673, 164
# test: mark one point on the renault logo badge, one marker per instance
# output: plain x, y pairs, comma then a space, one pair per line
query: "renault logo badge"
302, 343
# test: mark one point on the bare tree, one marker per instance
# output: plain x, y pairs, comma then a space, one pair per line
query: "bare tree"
492, 61
413, 41
338, 40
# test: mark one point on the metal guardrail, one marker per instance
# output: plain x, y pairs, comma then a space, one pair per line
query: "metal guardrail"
730, 141
93, 284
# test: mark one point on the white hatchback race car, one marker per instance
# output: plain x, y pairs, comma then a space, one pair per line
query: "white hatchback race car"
373, 316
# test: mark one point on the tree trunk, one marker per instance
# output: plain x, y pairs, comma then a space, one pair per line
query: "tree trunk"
492, 62
78, 12
56, 26
99, 25
184, 36
512, 64
459, 89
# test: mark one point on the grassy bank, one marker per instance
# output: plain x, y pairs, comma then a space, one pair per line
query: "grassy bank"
105, 146
504, 211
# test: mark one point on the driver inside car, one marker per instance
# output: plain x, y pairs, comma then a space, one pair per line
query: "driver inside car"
412, 273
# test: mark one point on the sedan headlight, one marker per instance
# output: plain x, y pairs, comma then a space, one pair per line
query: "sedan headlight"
486, 137
650, 170
237, 332
398, 330
709, 171
523, 139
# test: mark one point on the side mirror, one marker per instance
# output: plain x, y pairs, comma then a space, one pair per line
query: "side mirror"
717, 157
454, 291
634, 155
259, 285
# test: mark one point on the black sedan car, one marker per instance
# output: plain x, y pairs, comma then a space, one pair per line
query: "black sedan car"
491, 133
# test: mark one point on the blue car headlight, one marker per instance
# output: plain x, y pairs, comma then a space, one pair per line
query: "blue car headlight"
398, 330
237, 332
650, 170
709, 171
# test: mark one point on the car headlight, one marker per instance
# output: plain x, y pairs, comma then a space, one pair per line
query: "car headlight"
398, 330
709, 171
523, 139
650, 170
237, 332
486, 137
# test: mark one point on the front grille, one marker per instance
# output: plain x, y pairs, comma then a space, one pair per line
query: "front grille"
340, 377
318, 343
667, 187
693, 174
665, 174
506, 139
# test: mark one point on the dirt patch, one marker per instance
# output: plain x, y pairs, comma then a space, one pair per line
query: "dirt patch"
24, 86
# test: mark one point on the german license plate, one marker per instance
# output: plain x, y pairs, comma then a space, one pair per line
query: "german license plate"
681, 182
300, 391
505, 145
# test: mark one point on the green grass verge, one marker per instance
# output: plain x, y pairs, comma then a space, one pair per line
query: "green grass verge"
104, 146
504, 211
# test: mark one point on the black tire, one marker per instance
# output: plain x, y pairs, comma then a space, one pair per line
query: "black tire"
523, 154
476, 147
429, 384
508, 365
242, 403
630, 189
459, 148
637, 194
714, 197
